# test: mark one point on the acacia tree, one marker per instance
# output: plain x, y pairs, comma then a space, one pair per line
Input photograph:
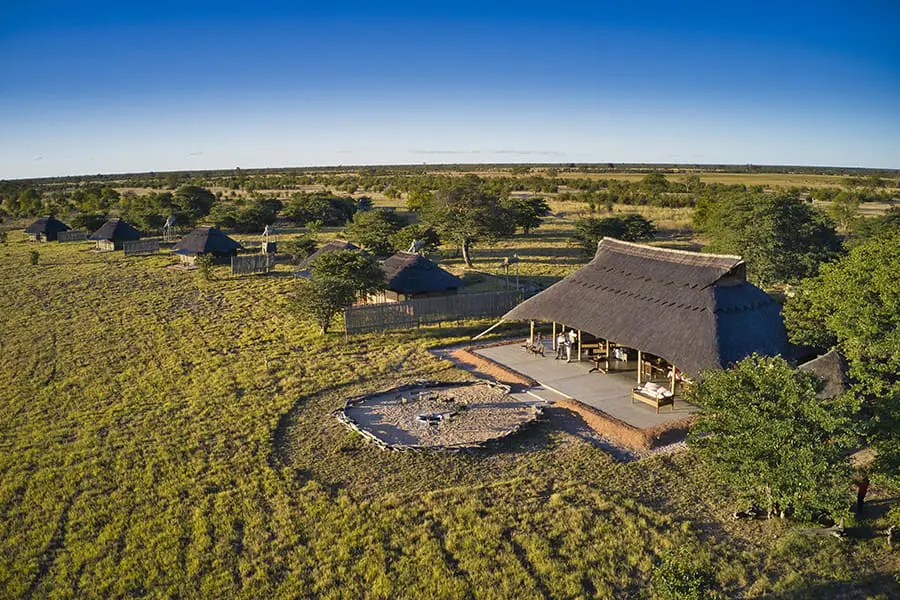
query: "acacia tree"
528, 213
781, 238
466, 213
318, 300
359, 270
855, 304
764, 432
630, 228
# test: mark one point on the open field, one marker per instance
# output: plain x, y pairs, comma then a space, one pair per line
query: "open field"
164, 436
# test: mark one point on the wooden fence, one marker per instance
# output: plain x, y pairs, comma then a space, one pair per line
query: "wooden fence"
412, 313
71, 236
140, 247
252, 263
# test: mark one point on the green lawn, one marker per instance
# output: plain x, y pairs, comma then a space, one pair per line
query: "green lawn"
163, 436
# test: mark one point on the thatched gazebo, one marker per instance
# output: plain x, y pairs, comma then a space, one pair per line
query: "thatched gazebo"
206, 240
688, 311
408, 275
113, 234
46, 229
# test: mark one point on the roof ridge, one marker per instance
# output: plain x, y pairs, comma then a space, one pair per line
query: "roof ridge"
615, 241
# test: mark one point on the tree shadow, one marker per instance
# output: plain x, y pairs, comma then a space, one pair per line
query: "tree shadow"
878, 585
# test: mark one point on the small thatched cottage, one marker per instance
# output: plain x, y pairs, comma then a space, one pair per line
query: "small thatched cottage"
409, 275
688, 311
328, 247
113, 234
832, 369
206, 240
46, 229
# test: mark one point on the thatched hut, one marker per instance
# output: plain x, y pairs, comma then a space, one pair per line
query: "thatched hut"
206, 240
113, 234
689, 311
832, 369
409, 275
332, 246
46, 229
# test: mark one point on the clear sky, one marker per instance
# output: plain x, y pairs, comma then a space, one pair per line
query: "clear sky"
97, 87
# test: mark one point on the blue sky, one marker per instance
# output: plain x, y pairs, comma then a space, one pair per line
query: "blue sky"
123, 87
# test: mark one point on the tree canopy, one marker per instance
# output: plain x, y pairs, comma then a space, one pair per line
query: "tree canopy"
764, 432
855, 304
781, 238
374, 230
358, 269
630, 227
528, 212
319, 299
466, 213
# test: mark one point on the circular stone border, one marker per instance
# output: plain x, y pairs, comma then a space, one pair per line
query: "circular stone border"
350, 423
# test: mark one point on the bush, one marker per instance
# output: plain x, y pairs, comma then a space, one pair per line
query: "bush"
35, 256
297, 249
90, 222
629, 228
204, 265
675, 578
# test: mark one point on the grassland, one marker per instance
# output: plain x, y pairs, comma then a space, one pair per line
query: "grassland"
164, 436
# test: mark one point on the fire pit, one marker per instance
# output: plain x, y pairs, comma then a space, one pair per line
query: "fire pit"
440, 415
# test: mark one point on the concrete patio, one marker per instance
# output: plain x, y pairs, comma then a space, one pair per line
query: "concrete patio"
609, 393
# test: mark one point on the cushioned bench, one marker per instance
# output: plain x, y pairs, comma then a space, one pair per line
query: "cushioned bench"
655, 396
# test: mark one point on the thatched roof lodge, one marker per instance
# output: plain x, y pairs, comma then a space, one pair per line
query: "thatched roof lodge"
408, 275
113, 234
694, 311
46, 229
206, 240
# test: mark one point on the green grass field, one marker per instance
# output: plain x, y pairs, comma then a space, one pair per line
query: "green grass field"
167, 437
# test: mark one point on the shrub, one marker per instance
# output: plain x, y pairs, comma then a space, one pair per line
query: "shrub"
35, 256
204, 265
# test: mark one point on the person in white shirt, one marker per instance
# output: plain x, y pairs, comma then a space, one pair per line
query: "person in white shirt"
571, 339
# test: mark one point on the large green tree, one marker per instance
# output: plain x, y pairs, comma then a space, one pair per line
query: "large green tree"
194, 201
764, 432
358, 269
374, 230
781, 238
854, 303
466, 213
318, 300
528, 212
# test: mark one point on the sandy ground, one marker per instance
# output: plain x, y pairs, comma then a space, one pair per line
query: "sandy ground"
472, 414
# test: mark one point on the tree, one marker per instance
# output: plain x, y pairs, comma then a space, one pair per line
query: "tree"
357, 269
195, 202
844, 210
854, 303
528, 212
465, 214
90, 222
417, 198
764, 432
297, 249
244, 216
631, 227
374, 229
304, 207
781, 238
404, 238
319, 299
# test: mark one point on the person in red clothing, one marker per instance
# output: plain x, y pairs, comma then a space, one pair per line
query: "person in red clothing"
862, 487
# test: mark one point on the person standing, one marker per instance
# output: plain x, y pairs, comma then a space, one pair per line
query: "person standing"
571, 339
862, 488
560, 344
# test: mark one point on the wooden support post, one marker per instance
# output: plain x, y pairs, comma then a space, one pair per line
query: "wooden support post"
579, 345
640, 367
553, 344
673, 379
531, 335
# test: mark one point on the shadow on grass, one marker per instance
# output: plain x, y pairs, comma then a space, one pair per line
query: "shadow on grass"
879, 585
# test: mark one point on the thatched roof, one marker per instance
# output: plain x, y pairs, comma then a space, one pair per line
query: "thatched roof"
831, 368
408, 273
46, 225
697, 311
116, 230
332, 246
206, 240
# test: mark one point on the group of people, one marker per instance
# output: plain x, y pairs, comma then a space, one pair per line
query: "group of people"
565, 341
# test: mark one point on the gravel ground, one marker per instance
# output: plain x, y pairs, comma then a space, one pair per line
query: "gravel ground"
472, 414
